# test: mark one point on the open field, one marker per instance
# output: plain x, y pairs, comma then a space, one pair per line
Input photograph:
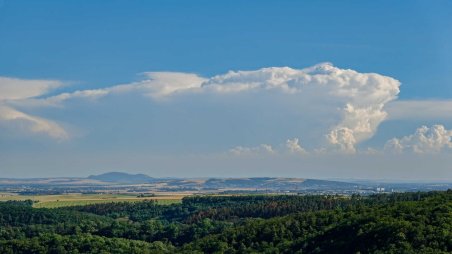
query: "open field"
53, 201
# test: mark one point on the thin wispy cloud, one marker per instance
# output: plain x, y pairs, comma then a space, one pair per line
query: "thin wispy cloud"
15, 90
427, 109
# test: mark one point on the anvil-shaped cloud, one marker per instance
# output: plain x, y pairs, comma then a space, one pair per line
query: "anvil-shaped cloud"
345, 106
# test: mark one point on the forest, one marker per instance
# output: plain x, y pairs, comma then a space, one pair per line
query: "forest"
416, 222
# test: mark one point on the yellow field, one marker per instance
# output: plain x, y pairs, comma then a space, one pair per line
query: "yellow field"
53, 201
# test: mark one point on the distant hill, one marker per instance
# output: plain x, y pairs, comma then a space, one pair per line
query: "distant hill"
270, 183
276, 183
120, 177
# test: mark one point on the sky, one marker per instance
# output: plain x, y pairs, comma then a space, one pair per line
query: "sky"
315, 89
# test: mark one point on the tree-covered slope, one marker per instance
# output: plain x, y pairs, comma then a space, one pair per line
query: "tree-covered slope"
395, 223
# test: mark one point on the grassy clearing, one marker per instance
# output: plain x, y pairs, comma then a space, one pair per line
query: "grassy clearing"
55, 204
54, 201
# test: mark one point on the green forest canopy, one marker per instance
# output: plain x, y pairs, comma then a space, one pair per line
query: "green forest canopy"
386, 223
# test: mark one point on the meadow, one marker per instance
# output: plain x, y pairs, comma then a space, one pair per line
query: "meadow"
75, 199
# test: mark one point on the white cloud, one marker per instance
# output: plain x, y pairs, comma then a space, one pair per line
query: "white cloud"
163, 84
12, 90
32, 123
258, 150
360, 97
87, 94
294, 146
15, 89
432, 139
343, 139
345, 105
156, 85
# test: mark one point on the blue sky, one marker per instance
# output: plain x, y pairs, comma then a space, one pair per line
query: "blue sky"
99, 44
89, 45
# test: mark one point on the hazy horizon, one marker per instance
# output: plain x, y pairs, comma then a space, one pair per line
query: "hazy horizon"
340, 179
304, 89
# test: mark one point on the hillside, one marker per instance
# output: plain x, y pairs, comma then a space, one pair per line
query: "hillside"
384, 223
120, 177
259, 183
274, 183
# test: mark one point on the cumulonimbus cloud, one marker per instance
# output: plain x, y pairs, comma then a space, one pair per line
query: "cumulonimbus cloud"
359, 97
354, 102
